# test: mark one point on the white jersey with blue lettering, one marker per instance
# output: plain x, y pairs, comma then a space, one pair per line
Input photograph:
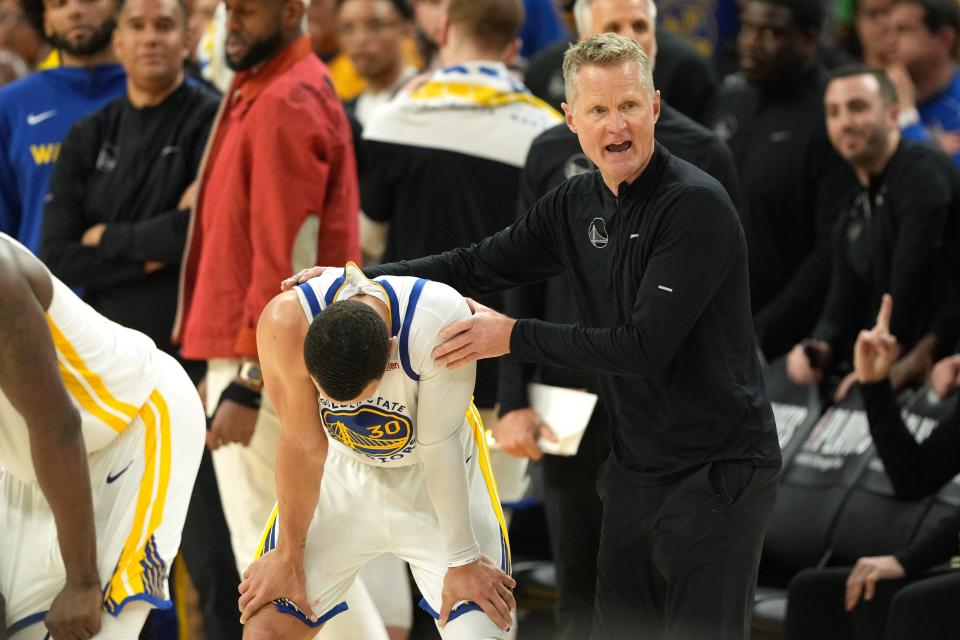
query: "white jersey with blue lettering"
408, 472
108, 370
407, 409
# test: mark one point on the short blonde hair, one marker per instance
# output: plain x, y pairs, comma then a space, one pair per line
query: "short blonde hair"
604, 50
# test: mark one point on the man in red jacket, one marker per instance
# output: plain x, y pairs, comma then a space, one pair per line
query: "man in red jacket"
277, 191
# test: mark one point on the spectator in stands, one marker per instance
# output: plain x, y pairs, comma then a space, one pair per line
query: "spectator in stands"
791, 179
11, 67
322, 28
864, 32
542, 26
891, 597
36, 112
470, 123
890, 236
372, 35
19, 36
115, 224
572, 506
925, 72
683, 76
200, 14
429, 16
277, 189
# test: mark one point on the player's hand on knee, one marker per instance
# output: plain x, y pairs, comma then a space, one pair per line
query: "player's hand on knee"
865, 575
518, 431
481, 582
75, 612
232, 422
302, 276
271, 577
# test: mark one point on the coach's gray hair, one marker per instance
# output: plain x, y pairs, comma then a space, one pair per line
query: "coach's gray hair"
604, 50
583, 17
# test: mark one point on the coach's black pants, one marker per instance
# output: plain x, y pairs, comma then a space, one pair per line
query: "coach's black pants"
679, 561
923, 608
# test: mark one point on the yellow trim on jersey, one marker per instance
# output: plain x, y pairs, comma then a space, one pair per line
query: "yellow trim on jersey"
266, 530
140, 570
86, 386
481, 96
483, 459
52, 61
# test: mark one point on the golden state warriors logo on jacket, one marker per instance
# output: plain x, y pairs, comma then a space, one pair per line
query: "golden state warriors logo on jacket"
373, 431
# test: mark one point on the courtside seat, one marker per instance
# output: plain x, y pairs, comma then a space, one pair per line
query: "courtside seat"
870, 520
796, 407
926, 410
874, 521
816, 484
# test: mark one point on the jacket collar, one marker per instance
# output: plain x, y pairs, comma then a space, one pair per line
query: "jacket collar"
248, 85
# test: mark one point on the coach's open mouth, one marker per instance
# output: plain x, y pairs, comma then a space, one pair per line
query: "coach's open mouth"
620, 147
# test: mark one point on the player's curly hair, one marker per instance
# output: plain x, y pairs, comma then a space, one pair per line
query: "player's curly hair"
346, 348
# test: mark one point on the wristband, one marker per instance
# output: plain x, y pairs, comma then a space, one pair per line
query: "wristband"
464, 557
244, 396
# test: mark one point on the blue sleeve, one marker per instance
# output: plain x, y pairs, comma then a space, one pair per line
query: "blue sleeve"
919, 133
916, 131
541, 26
9, 193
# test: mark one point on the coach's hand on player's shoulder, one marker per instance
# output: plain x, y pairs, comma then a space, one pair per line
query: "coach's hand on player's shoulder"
232, 422
483, 583
518, 431
272, 576
485, 334
75, 612
302, 276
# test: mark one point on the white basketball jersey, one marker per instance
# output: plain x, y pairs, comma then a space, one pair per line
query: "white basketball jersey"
108, 370
382, 430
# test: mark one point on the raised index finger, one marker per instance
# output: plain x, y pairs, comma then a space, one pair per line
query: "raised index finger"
883, 316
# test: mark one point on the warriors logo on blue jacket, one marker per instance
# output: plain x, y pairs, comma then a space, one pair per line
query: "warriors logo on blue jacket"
367, 430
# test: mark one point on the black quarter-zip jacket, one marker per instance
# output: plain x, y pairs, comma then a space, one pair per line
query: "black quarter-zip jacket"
659, 274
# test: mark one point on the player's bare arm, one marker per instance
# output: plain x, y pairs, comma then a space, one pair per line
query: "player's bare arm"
31, 380
301, 453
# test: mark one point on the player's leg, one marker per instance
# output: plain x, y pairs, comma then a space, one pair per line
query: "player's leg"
271, 624
142, 486
343, 537
388, 582
125, 626
273, 621
420, 542
31, 568
245, 474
